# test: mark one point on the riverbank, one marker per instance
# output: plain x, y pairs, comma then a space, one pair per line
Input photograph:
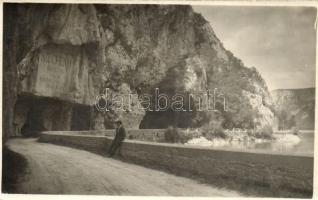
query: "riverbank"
240, 139
281, 142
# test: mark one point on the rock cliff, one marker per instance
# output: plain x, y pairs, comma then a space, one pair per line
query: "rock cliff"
295, 107
71, 53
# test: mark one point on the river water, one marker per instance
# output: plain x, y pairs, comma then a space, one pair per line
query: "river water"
286, 145
305, 146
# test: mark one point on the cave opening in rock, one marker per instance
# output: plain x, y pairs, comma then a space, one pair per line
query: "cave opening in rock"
164, 119
174, 84
81, 118
189, 117
33, 114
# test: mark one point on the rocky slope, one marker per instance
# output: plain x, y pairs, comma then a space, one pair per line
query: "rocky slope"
295, 107
72, 53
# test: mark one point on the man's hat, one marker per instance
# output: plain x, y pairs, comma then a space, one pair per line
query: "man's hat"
118, 121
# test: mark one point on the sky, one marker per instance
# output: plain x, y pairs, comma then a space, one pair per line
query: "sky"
278, 41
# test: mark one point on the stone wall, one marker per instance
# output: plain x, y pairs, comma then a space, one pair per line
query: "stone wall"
152, 135
267, 174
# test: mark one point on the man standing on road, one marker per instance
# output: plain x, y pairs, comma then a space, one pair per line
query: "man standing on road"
119, 138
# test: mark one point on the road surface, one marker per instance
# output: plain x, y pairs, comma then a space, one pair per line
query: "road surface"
54, 169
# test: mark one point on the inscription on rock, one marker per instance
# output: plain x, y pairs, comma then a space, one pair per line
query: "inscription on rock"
52, 73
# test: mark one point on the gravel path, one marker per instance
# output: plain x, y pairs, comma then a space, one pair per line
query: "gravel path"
56, 169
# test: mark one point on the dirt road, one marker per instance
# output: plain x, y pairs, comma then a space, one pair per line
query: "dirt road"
56, 169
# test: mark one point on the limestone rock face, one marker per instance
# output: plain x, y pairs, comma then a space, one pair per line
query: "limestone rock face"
124, 106
264, 116
62, 72
73, 53
62, 24
74, 24
295, 107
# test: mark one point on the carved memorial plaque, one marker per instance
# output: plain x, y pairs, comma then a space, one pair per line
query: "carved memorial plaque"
52, 73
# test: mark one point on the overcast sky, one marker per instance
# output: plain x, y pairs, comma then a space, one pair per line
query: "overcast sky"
279, 41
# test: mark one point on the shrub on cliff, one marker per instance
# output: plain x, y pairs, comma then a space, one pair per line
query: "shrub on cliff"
266, 132
213, 130
250, 133
294, 130
172, 135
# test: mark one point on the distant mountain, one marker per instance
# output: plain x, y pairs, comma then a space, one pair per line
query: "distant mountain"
295, 107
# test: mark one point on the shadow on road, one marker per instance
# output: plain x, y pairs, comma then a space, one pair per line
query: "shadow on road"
13, 170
